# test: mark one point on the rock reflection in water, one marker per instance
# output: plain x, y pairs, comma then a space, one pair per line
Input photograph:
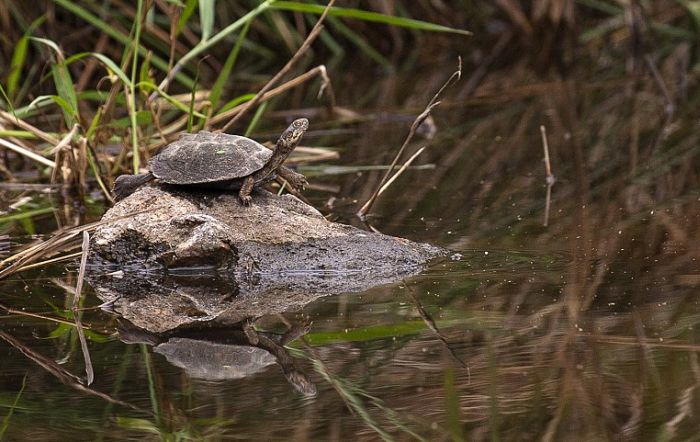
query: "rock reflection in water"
160, 302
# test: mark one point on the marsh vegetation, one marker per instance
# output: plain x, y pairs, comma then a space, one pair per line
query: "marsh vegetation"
583, 329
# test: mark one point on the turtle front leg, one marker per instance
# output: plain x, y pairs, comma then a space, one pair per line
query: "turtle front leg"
296, 180
246, 189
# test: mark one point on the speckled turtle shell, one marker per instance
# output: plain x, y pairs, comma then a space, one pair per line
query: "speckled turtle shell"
207, 157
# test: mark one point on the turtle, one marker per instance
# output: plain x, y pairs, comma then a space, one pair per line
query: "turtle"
211, 160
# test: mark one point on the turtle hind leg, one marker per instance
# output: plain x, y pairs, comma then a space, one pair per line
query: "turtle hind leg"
246, 188
125, 185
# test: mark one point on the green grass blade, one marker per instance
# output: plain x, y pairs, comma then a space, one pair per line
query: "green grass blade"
134, 423
206, 17
26, 214
63, 82
135, 153
16, 64
366, 334
256, 118
19, 55
375, 17
65, 107
143, 118
148, 365
236, 101
327, 39
186, 14
601, 6
354, 397
96, 171
117, 383
120, 37
67, 97
94, 124
150, 87
193, 100
454, 422
360, 42
225, 74
7, 101
228, 30
27, 226
6, 420
693, 8
145, 68
60, 331
109, 64
674, 31
66, 92
50, 43
39, 102
24, 134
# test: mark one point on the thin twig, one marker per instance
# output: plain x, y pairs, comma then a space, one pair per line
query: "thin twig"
59, 372
27, 153
670, 106
414, 127
292, 61
59, 150
28, 127
65, 141
20, 259
312, 73
430, 322
59, 242
206, 44
34, 187
50, 261
401, 170
549, 177
480, 72
548, 204
89, 372
170, 132
43, 317
547, 164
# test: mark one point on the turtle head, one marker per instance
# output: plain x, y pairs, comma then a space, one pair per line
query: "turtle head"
292, 135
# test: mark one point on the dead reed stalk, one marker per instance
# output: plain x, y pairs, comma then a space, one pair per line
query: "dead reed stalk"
60, 242
63, 375
412, 131
89, 372
318, 27
306, 76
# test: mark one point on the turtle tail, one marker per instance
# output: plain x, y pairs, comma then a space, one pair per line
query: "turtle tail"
125, 185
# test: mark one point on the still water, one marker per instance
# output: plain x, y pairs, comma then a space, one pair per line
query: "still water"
584, 329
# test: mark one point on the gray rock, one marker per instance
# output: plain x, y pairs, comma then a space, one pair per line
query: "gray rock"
171, 229
276, 255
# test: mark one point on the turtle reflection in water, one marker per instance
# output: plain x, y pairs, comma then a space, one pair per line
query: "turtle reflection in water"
221, 161
216, 351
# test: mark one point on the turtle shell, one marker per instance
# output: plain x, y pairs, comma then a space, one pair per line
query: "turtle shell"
207, 157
